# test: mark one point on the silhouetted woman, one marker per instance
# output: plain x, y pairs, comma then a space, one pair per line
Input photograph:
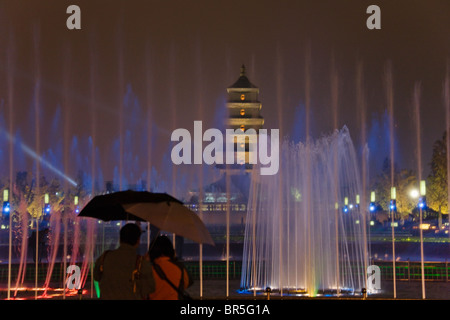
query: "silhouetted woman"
171, 277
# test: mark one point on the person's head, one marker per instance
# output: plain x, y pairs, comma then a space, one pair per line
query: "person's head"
161, 246
130, 234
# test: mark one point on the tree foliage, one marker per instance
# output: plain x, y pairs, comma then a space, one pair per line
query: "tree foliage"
26, 194
403, 180
437, 187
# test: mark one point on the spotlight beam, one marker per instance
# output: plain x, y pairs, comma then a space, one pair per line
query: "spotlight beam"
44, 162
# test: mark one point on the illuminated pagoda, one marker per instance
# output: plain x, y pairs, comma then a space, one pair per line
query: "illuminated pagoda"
243, 114
243, 108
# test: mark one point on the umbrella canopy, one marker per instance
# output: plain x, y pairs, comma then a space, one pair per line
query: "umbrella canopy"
160, 209
109, 207
172, 217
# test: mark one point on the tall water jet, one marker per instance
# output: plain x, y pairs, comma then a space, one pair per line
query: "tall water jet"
120, 106
361, 107
307, 239
279, 97
55, 225
10, 101
149, 103
308, 263
200, 110
21, 235
417, 122
67, 114
334, 88
390, 108
93, 112
173, 107
36, 96
93, 103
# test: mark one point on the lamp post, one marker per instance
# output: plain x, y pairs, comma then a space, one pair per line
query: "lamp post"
392, 208
345, 208
7, 210
422, 205
46, 204
372, 205
6, 206
357, 203
75, 202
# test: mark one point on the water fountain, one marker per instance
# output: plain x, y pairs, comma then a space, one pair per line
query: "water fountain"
74, 163
298, 238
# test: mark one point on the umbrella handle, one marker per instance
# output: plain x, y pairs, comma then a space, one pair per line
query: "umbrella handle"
153, 242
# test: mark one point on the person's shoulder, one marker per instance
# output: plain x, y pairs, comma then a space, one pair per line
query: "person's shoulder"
103, 254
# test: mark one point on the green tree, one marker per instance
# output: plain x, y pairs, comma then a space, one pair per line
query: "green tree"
28, 193
382, 185
403, 180
437, 188
407, 181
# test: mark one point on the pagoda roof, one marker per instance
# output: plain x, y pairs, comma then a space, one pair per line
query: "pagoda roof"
243, 81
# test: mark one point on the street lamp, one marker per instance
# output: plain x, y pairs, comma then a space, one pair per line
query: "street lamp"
393, 203
372, 205
46, 204
414, 193
345, 209
6, 206
422, 205
423, 193
392, 209
75, 202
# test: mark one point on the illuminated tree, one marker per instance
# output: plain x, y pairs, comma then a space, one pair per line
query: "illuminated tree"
437, 194
403, 180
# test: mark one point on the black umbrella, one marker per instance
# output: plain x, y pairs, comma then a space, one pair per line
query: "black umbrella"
109, 207
160, 209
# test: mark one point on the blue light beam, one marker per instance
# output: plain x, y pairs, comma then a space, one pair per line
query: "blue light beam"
44, 162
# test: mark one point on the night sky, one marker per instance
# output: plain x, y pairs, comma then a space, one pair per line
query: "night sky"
178, 57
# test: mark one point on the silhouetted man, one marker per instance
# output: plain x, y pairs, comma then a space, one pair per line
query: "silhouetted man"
122, 273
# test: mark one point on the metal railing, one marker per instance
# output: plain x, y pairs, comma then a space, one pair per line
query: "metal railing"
405, 271
412, 271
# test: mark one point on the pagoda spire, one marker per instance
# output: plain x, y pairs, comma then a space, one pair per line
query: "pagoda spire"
242, 70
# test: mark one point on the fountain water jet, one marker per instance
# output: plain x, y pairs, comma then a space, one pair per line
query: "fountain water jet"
361, 104
302, 222
390, 107
37, 140
10, 85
